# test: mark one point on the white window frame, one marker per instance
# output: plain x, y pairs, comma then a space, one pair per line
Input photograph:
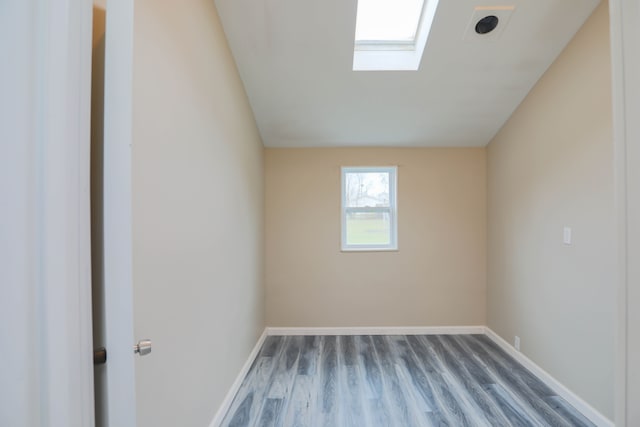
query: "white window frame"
392, 210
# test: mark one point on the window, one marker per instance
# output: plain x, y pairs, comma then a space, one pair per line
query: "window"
369, 208
384, 21
391, 34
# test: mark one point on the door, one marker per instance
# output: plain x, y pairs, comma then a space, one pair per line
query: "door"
116, 265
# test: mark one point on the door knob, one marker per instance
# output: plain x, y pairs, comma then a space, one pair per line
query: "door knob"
143, 347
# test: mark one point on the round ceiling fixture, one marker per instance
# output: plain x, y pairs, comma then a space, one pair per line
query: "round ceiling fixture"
487, 24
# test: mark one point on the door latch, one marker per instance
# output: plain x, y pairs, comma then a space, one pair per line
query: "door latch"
143, 347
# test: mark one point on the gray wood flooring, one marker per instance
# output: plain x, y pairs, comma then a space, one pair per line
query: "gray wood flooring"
380, 381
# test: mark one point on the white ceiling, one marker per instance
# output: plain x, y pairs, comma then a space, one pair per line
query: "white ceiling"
295, 58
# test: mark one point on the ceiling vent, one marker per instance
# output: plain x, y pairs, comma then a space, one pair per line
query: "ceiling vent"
488, 22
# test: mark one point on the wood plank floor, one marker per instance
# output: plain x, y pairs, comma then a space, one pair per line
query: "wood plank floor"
395, 380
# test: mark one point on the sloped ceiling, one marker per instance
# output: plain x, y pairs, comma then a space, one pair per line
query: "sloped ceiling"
295, 58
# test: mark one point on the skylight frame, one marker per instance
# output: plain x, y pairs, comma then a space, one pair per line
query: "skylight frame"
385, 45
396, 55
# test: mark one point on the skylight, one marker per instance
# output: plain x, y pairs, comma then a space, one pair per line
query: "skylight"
388, 20
391, 34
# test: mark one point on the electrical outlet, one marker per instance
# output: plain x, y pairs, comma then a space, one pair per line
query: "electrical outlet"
566, 235
516, 343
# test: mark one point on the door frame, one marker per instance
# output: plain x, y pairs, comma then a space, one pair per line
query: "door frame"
625, 60
45, 308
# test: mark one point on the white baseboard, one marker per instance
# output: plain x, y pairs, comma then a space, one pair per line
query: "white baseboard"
381, 330
583, 407
228, 399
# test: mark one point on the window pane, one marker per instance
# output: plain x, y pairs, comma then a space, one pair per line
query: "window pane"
388, 20
367, 189
368, 228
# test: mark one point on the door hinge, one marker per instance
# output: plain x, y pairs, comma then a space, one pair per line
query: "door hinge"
100, 356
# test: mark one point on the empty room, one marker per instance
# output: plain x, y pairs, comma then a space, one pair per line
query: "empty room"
323, 213
496, 145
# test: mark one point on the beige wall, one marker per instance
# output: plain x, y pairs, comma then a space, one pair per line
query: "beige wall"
552, 166
197, 214
436, 278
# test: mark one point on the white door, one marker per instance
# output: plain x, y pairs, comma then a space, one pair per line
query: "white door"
115, 384
117, 238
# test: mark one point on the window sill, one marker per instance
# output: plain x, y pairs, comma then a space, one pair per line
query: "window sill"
369, 250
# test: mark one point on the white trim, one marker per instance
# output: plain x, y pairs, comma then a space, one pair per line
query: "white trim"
620, 188
583, 407
228, 400
378, 330
625, 59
